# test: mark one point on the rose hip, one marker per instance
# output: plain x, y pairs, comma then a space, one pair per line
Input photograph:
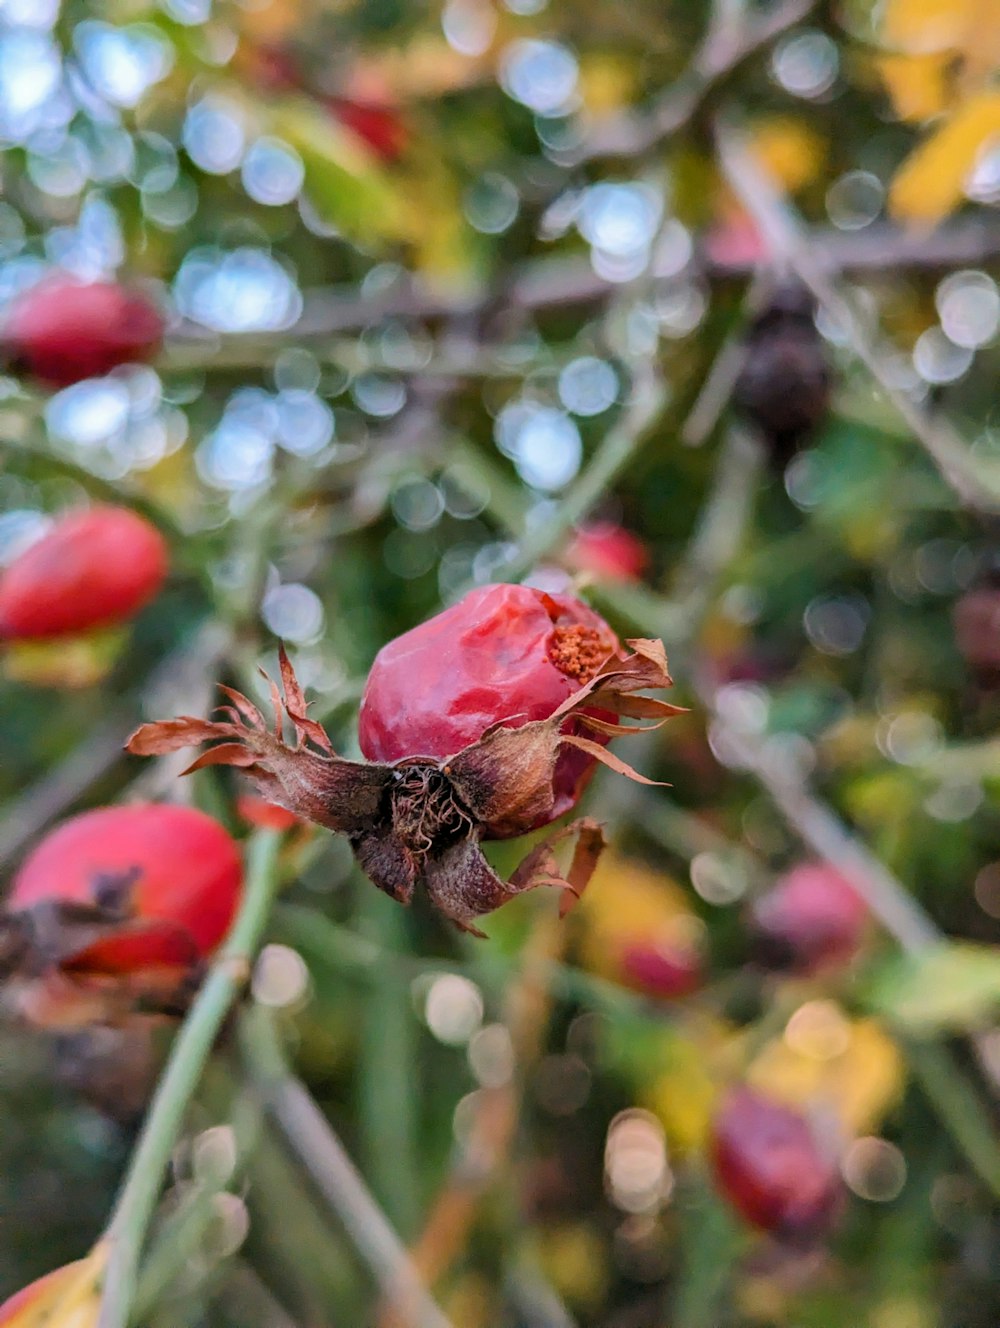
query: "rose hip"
149, 863
418, 819
64, 330
608, 551
809, 920
93, 568
504, 654
665, 971
770, 1165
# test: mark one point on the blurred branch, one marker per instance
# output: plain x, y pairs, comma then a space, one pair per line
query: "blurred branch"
130, 1220
24, 816
490, 1133
790, 245
618, 448
177, 684
816, 825
730, 41
551, 283
326, 1161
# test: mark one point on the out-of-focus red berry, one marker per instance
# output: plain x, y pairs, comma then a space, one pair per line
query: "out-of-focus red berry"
977, 630
93, 568
664, 971
772, 1167
172, 868
608, 551
264, 815
810, 919
64, 330
503, 654
381, 127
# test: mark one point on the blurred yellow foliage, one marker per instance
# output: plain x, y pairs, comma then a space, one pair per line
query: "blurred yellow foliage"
66, 663
683, 1095
825, 1058
917, 84
931, 181
789, 151
625, 902
942, 56
574, 1258
607, 83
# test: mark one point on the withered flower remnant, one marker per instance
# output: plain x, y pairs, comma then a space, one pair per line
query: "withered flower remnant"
420, 819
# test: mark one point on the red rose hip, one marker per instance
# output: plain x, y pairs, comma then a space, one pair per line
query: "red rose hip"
503, 654
116, 909
664, 971
607, 551
809, 920
151, 862
93, 568
64, 330
772, 1167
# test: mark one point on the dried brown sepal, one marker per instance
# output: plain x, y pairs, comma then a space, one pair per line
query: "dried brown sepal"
420, 820
65, 964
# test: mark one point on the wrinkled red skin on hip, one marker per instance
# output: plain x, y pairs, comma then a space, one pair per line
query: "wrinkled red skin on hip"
176, 868
489, 658
93, 568
63, 330
772, 1168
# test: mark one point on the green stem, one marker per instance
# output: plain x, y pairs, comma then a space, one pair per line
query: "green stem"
138, 1196
958, 1107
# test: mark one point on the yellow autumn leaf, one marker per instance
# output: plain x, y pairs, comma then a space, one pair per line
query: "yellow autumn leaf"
931, 181
67, 663
607, 83
624, 901
825, 1058
789, 151
917, 84
683, 1096
926, 25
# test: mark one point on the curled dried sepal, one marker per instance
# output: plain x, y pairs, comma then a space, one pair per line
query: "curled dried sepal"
420, 820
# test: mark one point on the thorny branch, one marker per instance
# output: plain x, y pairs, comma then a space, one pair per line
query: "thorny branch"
325, 1159
790, 246
726, 47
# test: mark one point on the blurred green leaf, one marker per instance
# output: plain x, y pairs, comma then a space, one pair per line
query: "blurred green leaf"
952, 987
344, 182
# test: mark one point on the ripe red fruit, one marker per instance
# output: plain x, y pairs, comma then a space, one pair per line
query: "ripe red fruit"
174, 870
64, 330
976, 618
608, 551
93, 568
504, 654
811, 919
115, 910
666, 972
770, 1165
